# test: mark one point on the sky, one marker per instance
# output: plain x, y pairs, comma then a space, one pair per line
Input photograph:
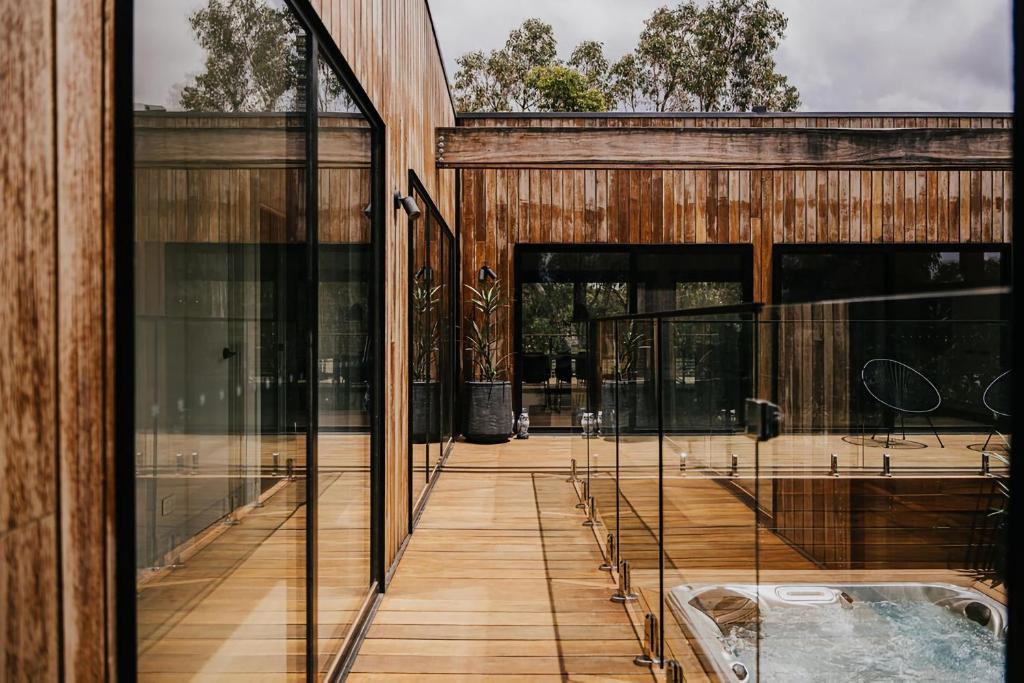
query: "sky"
843, 55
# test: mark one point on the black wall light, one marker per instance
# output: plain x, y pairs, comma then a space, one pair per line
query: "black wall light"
486, 274
407, 203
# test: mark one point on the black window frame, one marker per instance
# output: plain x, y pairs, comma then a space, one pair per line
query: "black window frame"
320, 46
744, 250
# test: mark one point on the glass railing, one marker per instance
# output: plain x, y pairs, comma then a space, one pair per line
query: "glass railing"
806, 492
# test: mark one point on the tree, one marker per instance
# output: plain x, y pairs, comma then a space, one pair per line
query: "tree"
254, 58
713, 56
497, 80
589, 60
718, 57
624, 83
562, 88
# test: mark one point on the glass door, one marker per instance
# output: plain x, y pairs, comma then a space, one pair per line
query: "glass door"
431, 348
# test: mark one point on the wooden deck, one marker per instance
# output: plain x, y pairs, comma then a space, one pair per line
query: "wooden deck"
500, 581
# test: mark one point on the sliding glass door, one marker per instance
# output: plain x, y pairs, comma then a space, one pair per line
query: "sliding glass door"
432, 350
560, 287
256, 371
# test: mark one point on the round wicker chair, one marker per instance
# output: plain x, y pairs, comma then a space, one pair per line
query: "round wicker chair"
900, 390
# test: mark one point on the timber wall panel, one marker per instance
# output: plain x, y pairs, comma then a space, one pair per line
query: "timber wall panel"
761, 207
390, 46
56, 429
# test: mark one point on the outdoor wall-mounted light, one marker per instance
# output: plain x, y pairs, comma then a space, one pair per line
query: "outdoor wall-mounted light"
409, 204
424, 274
485, 274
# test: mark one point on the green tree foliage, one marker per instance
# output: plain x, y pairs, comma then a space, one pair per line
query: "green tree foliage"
716, 55
496, 81
254, 58
562, 88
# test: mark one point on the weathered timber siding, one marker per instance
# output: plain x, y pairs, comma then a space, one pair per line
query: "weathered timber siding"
502, 207
391, 48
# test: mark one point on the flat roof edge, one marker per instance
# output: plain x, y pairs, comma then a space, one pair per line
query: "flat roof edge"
724, 114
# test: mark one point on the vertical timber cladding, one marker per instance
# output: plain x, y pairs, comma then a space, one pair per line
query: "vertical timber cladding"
56, 372
502, 207
391, 48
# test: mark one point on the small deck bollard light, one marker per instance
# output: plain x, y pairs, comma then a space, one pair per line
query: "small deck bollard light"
179, 464
674, 672
651, 654
682, 462
195, 462
276, 457
735, 465
573, 478
986, 462
590, 521
289, 468
624, 593
886, 465
176, 561
584, 494
834, 465
609, 554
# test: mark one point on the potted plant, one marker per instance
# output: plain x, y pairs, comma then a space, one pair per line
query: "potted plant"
488, 395
623, 408
426, 391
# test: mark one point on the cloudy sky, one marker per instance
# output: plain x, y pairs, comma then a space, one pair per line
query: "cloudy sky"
843, 55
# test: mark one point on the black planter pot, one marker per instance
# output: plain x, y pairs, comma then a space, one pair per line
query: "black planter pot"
626, 409
488, 412
426, 411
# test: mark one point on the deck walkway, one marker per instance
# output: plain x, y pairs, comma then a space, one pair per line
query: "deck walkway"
500, 581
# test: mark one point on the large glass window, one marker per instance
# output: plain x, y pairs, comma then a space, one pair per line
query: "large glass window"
432, 351
345, 359
560, 288
948, 340
253, 431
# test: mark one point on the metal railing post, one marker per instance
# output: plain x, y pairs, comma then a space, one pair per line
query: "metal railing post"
834, 465
886, 465
591, 517
651, 654
584, 494
624, 592
573, 477
674, 672
609, 554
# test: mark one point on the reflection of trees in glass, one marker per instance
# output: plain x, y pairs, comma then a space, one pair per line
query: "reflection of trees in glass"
551, 316
426, 331
703, 294
255, 56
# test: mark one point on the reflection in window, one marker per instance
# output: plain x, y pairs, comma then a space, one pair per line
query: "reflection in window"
560, 290
960, 345
224, 372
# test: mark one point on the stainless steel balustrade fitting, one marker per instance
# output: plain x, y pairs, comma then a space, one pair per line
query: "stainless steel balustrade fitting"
584, 494
674, 672
573, 477
609, 554
624, 593
651, 654
591, 520
886, 465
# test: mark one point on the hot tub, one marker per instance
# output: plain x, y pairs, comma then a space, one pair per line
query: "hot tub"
847, 632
